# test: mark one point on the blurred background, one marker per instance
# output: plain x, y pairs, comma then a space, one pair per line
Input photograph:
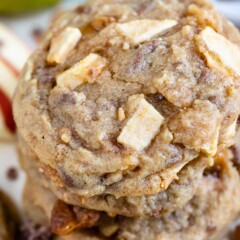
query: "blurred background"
29, 25
28, 20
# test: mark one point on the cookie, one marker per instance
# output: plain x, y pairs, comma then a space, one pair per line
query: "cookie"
141, 89
205, 216
180, 191
200, 218
38, 211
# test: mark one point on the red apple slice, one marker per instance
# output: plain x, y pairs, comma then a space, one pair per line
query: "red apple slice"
7, 125
12, 48
8, 78
8, 82
13, 55
5, 134
6, 109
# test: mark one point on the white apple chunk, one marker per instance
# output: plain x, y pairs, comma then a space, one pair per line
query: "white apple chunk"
219, 51
62, 44
142, 126
139, 31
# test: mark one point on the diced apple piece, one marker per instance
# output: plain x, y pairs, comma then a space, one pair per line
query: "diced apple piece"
219, 51
142, 126
101, 22
62, 44
139, 31
121, 114
85, 71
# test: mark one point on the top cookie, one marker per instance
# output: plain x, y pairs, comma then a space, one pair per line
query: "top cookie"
122, 94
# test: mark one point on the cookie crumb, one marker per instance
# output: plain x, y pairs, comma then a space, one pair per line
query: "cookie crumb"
137, 134
63, 44
66, 218
65, 135
121, 114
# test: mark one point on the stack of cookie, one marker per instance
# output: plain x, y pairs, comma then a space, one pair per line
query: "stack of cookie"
9, 219
126, 114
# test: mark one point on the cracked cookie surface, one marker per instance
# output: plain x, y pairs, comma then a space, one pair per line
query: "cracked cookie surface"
143, 88
206, 216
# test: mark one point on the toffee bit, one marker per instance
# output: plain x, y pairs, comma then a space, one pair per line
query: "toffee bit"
102, 22
66, 218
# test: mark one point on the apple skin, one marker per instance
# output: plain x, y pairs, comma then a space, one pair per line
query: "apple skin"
13, 55
8, 77
6, 109
5, 134
8, 82
13, 48
18, 6
9, 66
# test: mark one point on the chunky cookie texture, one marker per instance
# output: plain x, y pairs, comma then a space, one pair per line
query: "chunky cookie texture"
201, 218
178, 193
141, 91
213, 206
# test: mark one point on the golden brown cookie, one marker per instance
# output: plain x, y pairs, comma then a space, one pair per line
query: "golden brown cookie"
215, 204
122, 95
